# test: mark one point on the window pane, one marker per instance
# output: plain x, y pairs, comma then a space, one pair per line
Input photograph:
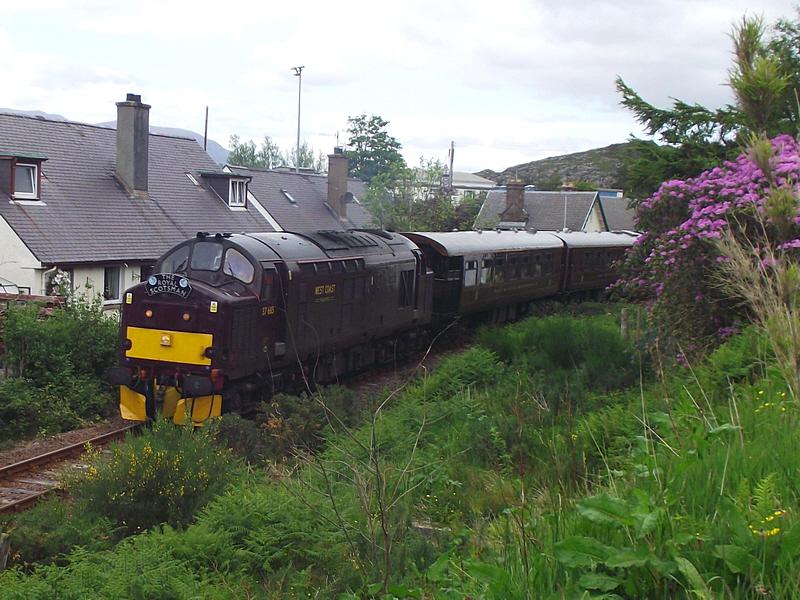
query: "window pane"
237, 265
111, 283
206, 256
176, 262
24, 179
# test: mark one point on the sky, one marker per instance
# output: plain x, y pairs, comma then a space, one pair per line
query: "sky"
508, 81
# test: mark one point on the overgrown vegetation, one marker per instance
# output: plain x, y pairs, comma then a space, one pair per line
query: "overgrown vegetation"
56, 362
552, 460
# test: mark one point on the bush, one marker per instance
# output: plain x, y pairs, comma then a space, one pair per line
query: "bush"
676, 263
53, 528
67, 401
79, 339
162, 476
58, 361
293, 422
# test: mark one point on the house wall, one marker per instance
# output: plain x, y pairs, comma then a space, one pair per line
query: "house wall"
595, 220
88, 281
18, 265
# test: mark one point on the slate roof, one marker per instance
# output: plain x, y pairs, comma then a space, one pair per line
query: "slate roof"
86, 216
310, 191
545, 209
471, 181
618, 216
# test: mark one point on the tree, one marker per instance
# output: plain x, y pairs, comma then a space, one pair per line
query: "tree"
694, 138
270, 155
308, 158
409, 199
370, 149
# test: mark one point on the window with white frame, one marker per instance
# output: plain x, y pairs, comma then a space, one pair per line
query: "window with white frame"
237, 195
26, 181
111, 283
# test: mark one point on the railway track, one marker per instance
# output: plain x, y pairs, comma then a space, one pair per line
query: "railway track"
24, 483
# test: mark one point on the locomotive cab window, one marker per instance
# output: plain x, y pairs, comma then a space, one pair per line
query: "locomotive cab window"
206, 256
236, 265
177, 261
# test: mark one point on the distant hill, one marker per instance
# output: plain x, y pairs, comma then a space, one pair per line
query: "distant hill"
601, 166
215, 150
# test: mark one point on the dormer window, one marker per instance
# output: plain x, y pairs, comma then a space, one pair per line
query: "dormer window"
231, 189
21, 174
237, 195
26, 181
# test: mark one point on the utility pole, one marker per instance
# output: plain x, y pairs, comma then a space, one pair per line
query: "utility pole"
298, 72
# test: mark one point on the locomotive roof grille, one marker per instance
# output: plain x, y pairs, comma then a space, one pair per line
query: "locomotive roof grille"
350, 240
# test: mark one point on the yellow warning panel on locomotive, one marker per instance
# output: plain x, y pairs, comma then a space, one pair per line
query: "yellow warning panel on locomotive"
131, 404
199, 409
169, 346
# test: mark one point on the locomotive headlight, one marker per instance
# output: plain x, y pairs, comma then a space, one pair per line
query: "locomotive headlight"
148, 313
214, 306
186, 316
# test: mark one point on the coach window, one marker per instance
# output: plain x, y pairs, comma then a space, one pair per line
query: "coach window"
308, 269
486, 270
337, 267
236, 265
207, 256
470, 273
499, 269
176, 262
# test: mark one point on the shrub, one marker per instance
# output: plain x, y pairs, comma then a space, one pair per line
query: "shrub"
293, 422
676, 262
162, 476
53, 528
78, 339
58, 361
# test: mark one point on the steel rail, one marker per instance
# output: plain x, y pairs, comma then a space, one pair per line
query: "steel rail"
8, 472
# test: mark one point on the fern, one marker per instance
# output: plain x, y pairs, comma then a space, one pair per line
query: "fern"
765, 495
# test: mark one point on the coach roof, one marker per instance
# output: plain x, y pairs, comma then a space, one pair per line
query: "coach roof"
459, 243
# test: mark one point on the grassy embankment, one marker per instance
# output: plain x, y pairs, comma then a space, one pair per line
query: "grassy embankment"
547, 461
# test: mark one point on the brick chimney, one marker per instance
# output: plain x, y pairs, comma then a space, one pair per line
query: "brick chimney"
133, 144
515, 202
337, 183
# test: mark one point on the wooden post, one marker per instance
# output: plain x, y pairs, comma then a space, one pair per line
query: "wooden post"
623, 323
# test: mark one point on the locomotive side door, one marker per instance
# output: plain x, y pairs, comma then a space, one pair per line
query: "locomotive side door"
273, 310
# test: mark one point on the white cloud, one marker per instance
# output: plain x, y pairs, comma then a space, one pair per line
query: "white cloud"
509, 81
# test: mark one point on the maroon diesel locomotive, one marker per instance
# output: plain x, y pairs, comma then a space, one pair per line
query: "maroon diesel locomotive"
226, 318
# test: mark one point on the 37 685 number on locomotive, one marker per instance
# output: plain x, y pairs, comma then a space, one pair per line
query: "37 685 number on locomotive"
227, 318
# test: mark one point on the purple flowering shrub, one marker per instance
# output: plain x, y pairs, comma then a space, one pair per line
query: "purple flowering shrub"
674, 264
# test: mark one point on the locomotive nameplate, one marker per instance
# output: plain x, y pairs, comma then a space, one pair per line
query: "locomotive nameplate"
168, 283
323, 293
